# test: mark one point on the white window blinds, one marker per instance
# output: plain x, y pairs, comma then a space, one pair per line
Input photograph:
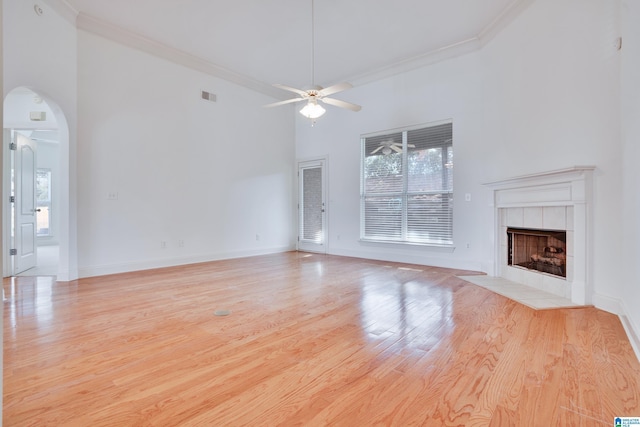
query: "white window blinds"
407, 186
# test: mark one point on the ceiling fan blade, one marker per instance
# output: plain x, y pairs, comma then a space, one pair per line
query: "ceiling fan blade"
341, 104
377, 149
411, 145
288, 101
292, 89
335, 89
395, 148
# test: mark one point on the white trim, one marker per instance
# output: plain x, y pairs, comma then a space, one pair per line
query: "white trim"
430, 259
619, 308
119, 35
6, 206
407, 128
461, 47
632, 333
323, 163
64, 9
106, 269
570, 188
507, 16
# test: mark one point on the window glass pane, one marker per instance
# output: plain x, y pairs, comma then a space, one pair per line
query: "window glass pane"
383, 217
429, 218
425, 170
449, 169
43, 201
383, 164
408, 197
43, 185
312, 204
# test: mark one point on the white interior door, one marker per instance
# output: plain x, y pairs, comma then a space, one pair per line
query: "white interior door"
25, 204
312, 207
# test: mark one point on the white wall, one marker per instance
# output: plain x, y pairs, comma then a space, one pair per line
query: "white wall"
553, 102
630, 289
40, 53
216, 176
451, 89
18, 104
542, 95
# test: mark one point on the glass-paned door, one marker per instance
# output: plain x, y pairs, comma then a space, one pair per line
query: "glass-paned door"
311, 206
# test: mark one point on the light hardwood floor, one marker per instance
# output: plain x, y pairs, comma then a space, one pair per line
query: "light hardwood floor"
311, 340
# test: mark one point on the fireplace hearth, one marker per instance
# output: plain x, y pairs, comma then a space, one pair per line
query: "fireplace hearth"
558, 201
544, 251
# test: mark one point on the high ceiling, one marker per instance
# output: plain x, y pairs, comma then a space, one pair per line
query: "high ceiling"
269, 41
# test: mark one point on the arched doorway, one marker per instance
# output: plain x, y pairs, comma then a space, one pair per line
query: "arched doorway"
33, 115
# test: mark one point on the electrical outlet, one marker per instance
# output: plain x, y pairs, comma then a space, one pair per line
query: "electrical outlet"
163, 244
257, 237
467, 197
181, 243
112, 195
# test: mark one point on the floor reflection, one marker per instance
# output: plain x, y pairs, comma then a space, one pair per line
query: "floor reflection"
407, 309
29, 298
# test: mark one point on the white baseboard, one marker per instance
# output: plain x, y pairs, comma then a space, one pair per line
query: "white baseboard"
428, 260
103, 270
618, 307
632, 334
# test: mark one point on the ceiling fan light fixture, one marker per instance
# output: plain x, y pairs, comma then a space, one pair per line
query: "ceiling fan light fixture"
312, 110
386, 151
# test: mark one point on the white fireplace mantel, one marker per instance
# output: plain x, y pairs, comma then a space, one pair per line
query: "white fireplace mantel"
559, 199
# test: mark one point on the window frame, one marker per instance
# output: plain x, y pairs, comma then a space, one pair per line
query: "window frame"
405, 194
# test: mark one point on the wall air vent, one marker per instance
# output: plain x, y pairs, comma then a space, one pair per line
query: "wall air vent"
208, 96
38, 116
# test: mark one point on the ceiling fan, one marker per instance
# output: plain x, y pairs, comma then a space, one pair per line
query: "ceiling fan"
312, 95
389, 145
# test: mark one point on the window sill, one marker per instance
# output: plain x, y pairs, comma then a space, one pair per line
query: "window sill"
435, 247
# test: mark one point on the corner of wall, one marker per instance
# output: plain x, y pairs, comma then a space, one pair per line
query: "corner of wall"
619, 308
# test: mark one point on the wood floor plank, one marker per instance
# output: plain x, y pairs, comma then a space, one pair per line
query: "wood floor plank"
312, 340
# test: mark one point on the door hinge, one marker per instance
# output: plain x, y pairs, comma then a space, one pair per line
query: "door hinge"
13, 252
12, 199
13, 146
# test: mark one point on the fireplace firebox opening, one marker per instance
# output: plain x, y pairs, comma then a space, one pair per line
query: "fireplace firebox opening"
541, 250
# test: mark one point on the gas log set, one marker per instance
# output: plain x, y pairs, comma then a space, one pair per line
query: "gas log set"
541, 250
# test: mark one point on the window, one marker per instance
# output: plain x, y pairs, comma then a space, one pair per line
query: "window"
407, 186
43, 201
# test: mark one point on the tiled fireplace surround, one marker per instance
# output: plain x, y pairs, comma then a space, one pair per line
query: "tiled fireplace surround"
556, 200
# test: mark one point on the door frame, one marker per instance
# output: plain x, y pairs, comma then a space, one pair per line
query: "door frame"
323, 162
67, 209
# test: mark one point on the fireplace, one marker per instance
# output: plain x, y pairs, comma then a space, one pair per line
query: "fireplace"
543, 226
544, 251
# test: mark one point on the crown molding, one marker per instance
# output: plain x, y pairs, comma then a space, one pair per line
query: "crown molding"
447, 52
64, 9
96, 26
119, 35
508, 15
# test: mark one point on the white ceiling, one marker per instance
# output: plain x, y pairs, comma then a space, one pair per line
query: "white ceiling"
269, 41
